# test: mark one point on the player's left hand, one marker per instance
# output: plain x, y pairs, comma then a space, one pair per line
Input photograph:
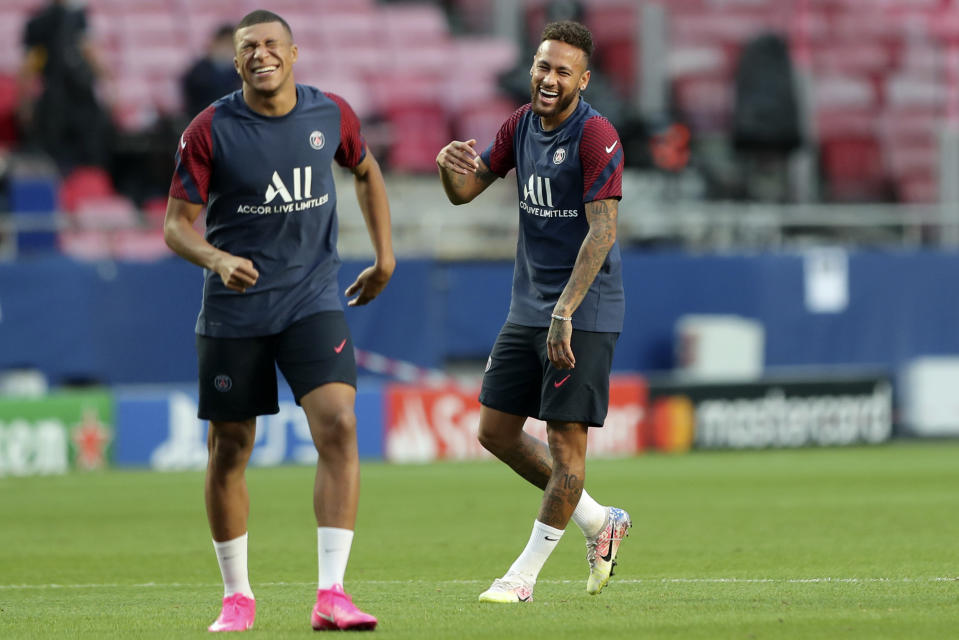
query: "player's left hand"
558, 347
371, 281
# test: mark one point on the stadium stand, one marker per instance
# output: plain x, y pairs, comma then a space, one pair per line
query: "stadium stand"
419, 73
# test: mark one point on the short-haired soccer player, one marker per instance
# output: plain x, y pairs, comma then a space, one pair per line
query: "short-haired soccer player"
259, 160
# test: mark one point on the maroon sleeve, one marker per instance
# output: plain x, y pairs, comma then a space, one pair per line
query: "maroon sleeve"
194, 160
601, 154
499, 156
352, 147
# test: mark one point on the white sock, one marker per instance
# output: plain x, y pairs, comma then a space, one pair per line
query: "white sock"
333, 549
231, 556
589, 515
542, 541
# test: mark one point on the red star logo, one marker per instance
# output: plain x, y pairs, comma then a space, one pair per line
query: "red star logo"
91, 438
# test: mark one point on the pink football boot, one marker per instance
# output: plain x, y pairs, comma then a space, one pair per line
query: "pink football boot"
335, 610
237, 614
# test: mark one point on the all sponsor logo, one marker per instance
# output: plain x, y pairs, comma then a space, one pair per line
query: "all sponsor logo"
294, 194
538, 196
538, 191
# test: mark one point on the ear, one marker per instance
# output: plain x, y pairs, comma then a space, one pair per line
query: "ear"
584, 80
295, 52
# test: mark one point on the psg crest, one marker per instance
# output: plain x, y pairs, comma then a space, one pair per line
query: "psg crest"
222, 383
317, 140
559, 156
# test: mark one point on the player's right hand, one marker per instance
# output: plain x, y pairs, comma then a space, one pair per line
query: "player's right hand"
237, 273
459, 157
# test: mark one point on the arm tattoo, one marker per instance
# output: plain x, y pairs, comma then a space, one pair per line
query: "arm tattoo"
601, 216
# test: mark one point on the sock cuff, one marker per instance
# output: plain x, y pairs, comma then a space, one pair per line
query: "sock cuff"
546, 529
227, 544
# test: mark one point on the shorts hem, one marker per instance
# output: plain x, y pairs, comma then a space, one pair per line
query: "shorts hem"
296, 398
500, 408
577, 419
236, 417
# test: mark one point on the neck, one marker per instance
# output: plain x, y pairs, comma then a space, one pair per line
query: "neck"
277, 104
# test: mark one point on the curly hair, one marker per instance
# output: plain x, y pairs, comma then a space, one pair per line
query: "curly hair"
572, 33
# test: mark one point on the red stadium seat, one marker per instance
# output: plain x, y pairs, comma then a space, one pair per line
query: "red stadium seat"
9, 97
853, 169
82, 184
481, 121
106, 212
142, 245
85, 245
419, 131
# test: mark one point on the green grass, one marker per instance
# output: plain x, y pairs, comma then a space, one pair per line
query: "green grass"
817, 543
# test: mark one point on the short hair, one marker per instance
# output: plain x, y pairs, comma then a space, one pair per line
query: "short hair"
572, 33
261, 16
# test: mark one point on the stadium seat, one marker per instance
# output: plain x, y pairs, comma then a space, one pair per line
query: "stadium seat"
84, 183
154, 211
142, 245
413, 24
106, 212
11, 38
481, 120
853, 169
419, 131
85, 245
9, 97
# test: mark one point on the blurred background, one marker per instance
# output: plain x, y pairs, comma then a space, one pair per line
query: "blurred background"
790, 219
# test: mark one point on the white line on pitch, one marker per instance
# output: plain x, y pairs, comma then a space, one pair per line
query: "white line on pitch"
180, 585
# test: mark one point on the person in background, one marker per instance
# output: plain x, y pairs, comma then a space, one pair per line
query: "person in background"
213, 75
66, 120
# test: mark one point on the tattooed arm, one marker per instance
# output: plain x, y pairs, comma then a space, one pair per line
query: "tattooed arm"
462, 171
601, 216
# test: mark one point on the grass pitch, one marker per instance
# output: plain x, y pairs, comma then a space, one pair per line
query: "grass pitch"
816, 543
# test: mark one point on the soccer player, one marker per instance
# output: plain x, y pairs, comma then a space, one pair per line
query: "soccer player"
259, 160
553, 356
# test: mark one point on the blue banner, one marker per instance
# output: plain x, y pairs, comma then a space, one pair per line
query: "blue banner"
159, 429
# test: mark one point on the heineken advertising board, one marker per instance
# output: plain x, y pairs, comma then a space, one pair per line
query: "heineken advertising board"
56, 433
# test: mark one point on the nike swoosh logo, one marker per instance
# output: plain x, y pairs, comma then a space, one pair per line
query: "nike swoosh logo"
551, 539
340, 347
609, 553
562, 382
610, 148
526, 599
182, 143
326, 617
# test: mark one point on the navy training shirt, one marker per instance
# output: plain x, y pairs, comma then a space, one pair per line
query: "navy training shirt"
267, 183
557, 173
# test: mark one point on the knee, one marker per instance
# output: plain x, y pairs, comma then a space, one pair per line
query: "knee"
494, 441
487, 440
567, 448
229, 446
337, 431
